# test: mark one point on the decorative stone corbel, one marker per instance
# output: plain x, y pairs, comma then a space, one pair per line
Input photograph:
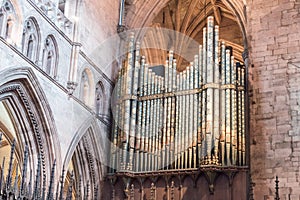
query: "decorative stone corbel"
71, 86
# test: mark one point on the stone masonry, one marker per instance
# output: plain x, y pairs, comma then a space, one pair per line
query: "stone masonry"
273, 36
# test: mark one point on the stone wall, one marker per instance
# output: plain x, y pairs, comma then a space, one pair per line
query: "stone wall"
71, 115
273, 35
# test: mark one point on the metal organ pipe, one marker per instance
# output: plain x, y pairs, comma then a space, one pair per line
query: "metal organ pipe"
216, 106
196, 110
223, 103
204, 97
181, 123
121, 13
183, 120
190, 117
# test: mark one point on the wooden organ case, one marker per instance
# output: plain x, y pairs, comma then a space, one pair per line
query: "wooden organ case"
181, 135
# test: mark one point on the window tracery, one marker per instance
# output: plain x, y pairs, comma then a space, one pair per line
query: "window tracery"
50, 56
30, 39
7, 19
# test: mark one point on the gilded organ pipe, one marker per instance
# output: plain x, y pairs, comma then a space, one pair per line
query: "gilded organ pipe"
181, 120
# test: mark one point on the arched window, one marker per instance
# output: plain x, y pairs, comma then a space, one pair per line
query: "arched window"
99, 97
85, 87
7, 18
9, 26
50, 56
30, 39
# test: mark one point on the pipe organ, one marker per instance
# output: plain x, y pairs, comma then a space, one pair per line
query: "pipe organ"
181, 120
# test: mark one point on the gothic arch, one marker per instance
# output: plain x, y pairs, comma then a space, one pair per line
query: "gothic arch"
50, 56
87, 87
136, 17
7, 19
10, 18
86, 155
31, 39
238, 7
27, 105
91, 124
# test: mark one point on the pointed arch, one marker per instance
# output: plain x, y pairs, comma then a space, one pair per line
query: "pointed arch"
8, 20
86, 155
50, 56
31, 39
87, 87
238, 8
24, 100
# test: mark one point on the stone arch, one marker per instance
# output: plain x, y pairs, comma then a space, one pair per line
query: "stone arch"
7, 138
86, 154
9, 21
31, 39
85, 164
142, 13
32, 117
7, 17
16, 36
87, 87
238, 8
50, 56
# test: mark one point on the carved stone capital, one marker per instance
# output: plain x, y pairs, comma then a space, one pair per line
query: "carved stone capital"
71, 86
120, 30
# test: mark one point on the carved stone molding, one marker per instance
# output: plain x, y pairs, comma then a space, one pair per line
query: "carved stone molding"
19, 91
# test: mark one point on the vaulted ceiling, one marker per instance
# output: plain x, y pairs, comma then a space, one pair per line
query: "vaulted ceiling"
187, 17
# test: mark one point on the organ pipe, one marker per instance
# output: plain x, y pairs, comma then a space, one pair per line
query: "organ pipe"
181, 120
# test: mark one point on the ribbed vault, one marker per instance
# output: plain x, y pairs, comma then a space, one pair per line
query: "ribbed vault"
187, 17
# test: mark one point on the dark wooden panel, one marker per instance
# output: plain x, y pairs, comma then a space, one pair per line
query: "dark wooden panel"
119, 190
226, 186
202, 188
161, 192
222, 189
239, 186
